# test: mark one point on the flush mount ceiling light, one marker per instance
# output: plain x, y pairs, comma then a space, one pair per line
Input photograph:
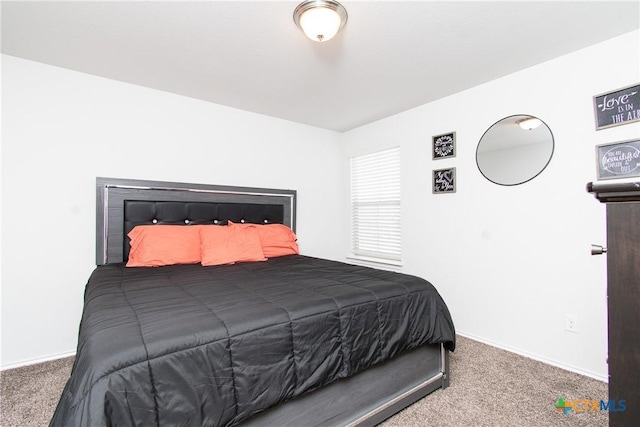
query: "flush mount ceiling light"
529, 123
320, 20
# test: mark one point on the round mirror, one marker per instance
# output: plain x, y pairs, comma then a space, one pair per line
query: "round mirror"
515, 150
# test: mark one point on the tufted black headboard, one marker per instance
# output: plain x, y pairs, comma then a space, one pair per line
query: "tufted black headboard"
123, 204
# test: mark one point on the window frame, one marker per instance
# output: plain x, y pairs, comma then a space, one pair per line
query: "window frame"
376, 207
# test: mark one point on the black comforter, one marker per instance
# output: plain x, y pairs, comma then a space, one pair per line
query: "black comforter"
193, 345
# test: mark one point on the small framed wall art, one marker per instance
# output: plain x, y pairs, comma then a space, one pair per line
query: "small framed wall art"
444, 181
618, 159
444, 146
617, 108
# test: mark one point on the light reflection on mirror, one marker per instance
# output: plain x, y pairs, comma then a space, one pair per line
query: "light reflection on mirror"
515, 150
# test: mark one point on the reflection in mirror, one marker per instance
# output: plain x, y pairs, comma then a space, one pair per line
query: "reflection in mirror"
515, 150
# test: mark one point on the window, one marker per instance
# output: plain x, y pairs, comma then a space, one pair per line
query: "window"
375, 205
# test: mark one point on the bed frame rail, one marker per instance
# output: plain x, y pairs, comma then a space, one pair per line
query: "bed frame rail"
367, 398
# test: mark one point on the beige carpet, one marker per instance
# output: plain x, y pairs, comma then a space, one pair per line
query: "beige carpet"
493, 387
489, 387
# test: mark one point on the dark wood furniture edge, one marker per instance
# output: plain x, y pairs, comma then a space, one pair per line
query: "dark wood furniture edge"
614, 191
622, 201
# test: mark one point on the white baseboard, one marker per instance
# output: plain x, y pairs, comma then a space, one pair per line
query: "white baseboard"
536, 357
36, 361
464, 334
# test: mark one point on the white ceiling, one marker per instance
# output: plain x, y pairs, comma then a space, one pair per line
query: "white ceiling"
390, 57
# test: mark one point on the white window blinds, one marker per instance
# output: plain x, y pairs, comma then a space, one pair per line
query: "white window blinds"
375, 205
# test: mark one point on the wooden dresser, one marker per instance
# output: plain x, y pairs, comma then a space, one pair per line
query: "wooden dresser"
623, 292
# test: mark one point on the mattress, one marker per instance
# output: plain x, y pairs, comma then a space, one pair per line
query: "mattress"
193, 345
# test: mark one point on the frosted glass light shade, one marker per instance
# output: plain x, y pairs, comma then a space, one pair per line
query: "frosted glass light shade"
320, 20
530, 123
320, 24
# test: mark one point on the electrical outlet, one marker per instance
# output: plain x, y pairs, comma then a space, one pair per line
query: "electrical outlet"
571, 323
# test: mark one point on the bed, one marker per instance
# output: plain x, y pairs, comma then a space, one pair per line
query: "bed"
285, 340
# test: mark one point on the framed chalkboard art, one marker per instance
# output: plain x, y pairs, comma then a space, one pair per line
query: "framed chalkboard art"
617, 108
618, 159
444, 181
444, 146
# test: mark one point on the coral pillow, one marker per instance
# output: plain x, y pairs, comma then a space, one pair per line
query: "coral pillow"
157, 245
276, 239
228, 245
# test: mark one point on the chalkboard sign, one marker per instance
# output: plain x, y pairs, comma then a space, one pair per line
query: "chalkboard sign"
617, 108
619, 159
444, 181
444, 146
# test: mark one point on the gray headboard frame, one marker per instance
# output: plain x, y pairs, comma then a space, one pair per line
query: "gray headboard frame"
112, 193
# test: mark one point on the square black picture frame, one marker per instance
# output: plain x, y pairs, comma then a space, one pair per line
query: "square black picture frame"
444, 181
444, 146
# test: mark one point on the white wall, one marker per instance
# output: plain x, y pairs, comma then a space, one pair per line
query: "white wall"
511, 262
61, 129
